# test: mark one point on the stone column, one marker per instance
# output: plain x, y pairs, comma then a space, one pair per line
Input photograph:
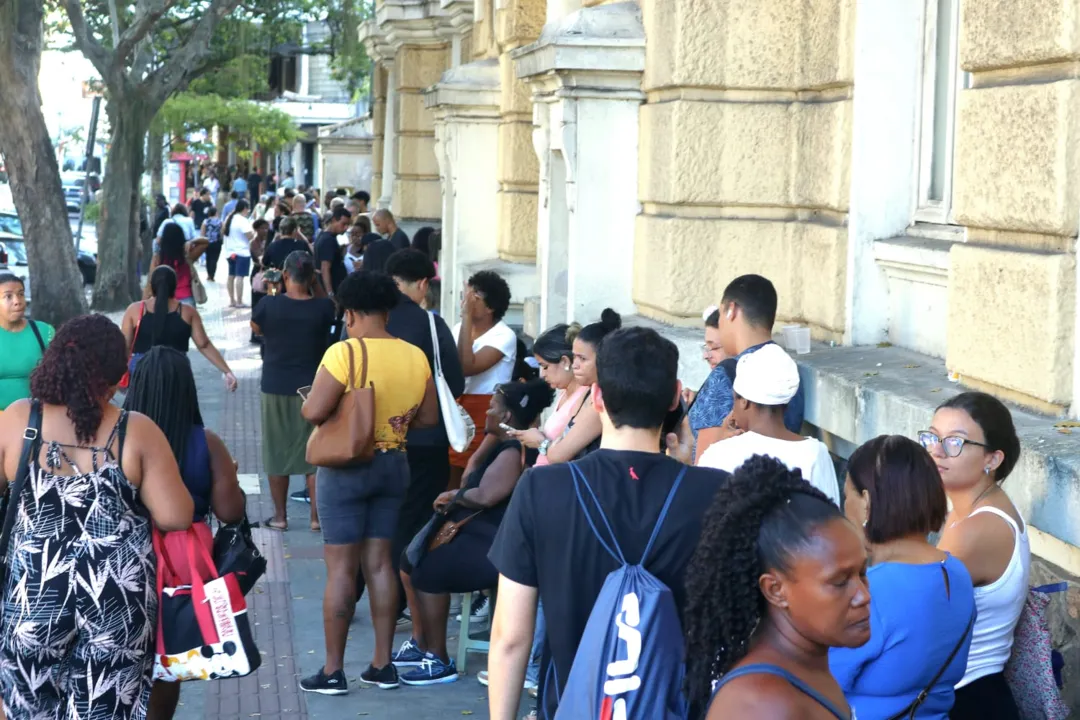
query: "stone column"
585, 73
745, 147
378, 117
465, 105
416, 186
517, 22
1016, 185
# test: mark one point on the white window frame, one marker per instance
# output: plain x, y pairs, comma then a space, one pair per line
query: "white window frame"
927, 210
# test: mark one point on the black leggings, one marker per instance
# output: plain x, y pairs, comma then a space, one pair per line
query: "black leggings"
213, 252
988, 698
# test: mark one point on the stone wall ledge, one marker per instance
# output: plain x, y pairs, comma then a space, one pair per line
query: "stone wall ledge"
854, 394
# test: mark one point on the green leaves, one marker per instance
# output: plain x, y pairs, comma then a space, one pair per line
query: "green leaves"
189, 112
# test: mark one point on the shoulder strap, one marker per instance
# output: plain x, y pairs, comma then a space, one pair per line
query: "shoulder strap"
435, 344
579, 480
37, 334
664, 512
31, 443
777, 671
1000, 513
910, 710
363, 359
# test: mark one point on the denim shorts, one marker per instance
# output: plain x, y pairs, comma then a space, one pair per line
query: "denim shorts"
239, 266
362, 502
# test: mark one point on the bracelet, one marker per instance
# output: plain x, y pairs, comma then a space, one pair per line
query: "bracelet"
543, 449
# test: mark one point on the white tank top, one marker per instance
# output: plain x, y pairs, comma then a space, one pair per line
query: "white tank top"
999, 605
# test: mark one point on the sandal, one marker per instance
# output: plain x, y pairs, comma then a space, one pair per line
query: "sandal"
272, 524
316, 526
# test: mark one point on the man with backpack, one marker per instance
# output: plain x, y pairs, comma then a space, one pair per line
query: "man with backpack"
580, 538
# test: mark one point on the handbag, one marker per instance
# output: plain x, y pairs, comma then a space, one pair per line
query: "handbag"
125, 381
450, 530
460, 428
1030, 671
235, 552
204, 631
347, 437
10, 506
198, 290
908, 713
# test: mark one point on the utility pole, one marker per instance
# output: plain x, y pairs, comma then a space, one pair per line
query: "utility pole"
90, 140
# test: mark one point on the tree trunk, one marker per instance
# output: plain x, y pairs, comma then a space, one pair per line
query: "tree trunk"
156, 163
118, 255
57, 288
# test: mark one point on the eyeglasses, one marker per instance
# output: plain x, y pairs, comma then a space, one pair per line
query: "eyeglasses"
709, 349
952, 445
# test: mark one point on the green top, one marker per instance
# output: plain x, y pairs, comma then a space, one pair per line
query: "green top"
19, 355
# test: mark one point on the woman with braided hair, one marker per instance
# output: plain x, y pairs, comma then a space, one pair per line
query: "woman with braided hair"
779, 577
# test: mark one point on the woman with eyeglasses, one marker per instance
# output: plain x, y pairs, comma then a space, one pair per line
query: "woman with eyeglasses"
974, 444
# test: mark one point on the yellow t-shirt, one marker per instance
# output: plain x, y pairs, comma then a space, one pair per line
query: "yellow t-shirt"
398, 370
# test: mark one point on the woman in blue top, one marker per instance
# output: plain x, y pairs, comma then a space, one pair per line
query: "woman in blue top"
163, 389
924, 602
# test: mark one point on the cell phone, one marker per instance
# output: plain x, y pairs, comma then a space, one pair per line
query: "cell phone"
304, 392
672, 422
506, 427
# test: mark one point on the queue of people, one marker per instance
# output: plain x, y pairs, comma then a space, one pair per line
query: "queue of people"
785, 588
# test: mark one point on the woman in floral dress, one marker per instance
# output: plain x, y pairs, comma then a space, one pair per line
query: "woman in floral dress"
79, 597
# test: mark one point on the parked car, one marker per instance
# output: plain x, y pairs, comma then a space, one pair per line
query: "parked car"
73, 183
13, 257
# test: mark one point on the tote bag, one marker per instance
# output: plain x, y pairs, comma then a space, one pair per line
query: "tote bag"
460, 428
347, 437
204, 631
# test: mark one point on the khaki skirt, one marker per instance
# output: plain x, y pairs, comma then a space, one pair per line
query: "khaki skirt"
284, 436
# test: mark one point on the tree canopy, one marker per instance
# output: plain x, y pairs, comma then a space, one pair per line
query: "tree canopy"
190, 113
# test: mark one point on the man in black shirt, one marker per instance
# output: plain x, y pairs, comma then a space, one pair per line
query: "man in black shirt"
329, 255
284, 244
386, 226
545, 548
199, 206
426, 448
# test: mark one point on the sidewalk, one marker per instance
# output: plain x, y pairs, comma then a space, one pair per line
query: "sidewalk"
286, 605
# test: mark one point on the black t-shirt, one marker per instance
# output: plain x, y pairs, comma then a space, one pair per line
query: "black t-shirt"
280, 249
198, 212
254, 181
545, 540
327, 249
295, 335
399, 239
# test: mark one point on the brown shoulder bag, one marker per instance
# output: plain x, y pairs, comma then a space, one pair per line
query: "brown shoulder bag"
348, 435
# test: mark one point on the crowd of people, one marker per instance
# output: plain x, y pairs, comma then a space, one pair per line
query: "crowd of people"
891, 588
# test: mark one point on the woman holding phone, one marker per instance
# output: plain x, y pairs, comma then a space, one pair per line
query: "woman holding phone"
295, 326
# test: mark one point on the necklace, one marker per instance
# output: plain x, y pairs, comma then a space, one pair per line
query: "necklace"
974, 504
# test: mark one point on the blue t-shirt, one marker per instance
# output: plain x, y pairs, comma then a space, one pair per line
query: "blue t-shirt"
716, 398
914, 625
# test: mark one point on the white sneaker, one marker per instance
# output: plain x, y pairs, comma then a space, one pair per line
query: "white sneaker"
481, 610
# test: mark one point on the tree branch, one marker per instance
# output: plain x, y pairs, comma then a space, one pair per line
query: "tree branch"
165, 80
147, 14
94, 51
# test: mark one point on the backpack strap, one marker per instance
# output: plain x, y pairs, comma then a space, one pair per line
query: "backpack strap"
31, 444
664, 512
579, 480
37, 334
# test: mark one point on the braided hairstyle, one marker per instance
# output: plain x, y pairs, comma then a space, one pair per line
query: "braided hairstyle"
762, 517
79, 370
163, 389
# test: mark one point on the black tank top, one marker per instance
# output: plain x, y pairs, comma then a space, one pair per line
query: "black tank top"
175, 334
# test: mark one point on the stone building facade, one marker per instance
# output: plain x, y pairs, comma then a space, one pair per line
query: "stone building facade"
906, 172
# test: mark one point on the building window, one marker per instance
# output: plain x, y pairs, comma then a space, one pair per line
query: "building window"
941, 82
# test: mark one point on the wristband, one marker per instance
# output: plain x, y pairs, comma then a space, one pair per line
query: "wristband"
543, 449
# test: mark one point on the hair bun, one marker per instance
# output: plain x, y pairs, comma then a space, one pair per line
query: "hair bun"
572, 331
611, 320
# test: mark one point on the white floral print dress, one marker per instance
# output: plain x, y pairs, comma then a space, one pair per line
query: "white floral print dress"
79, 604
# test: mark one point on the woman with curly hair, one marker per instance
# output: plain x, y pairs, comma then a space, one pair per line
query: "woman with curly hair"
779, 577
80, 567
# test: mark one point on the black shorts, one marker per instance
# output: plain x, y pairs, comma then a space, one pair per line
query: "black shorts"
363, 502
459, 566
988, 698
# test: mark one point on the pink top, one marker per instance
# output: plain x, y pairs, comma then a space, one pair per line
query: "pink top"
556, 423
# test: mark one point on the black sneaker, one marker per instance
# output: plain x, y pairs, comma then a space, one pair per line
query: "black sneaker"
301, 496
384, 678
325, 684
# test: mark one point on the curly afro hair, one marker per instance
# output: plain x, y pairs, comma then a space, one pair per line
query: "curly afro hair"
368, 292
495, 291
81, 366
757, 522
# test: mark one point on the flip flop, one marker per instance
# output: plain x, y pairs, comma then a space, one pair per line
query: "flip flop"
271, 524
316, 527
